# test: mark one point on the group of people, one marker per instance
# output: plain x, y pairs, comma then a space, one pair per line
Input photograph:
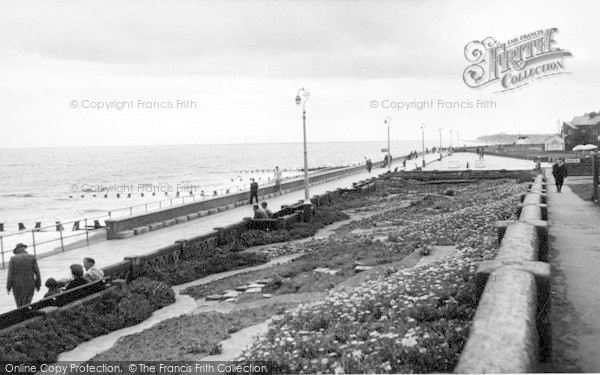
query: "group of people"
262, 211
24, 276
559, 171
254, 185
480, 152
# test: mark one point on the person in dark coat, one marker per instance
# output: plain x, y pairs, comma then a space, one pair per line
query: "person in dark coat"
23, 276
78, 279
559, 171
253, 191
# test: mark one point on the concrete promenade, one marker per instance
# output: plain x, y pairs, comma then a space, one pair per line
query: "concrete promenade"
113, 251
574, 239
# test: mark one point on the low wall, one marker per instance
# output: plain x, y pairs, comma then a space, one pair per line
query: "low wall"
114, 226
511, 330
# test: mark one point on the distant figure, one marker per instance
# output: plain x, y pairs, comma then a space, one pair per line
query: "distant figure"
53, 287
91, 273
404, 164
369, 165
259, 213
77, 274
266, 210
277, 181
253, 190
23, 275
559, 171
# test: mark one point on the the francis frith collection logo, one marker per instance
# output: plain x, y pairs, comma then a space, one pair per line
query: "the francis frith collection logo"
515, 63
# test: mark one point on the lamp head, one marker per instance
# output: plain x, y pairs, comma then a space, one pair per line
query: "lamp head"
298, 99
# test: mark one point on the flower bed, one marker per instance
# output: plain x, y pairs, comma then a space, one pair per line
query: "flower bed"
413, 320
43, 340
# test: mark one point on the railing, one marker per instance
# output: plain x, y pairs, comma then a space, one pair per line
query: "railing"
216, 193
63, 239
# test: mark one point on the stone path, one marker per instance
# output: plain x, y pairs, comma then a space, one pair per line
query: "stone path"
184, 304
574, 240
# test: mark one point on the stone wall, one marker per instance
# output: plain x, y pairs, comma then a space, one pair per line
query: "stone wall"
120, 225
511, 331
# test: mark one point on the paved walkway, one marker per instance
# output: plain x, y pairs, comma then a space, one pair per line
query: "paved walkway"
574, 239
110, 252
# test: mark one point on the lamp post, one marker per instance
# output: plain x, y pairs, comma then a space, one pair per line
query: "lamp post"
457, 138
440, 130
387, 121
450, 138
423, 142
302, 100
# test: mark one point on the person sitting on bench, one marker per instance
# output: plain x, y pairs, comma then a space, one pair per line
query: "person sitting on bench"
53, 287
91, 272
267, 211
78, 280
259, 213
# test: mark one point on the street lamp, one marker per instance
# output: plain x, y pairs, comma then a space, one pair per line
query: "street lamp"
440, 130
387, 121
299, 99
423, 142
457, 138
450, 138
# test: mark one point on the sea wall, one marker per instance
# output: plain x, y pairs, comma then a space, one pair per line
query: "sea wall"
511, 331
164, 217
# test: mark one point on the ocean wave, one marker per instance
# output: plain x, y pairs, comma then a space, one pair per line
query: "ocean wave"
18, 195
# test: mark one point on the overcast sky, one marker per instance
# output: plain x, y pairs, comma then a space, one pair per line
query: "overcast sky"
242, 63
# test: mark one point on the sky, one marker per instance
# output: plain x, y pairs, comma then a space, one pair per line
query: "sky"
196, 72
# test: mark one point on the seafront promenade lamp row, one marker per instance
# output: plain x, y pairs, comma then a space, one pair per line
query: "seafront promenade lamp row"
387, 121
302, 98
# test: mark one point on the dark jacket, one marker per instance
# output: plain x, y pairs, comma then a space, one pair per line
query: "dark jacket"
254, 187
23, 276
75, 283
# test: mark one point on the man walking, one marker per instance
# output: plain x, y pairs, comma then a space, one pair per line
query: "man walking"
559, 171
277, 180
253, 190
23, 276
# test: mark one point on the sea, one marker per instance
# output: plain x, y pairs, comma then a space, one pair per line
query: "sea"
46, 185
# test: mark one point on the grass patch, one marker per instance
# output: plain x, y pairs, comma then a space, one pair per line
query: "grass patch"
583, 191
187, 337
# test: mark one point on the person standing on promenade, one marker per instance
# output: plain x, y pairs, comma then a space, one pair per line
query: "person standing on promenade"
559, 171
253, 190
23, 276
277, 181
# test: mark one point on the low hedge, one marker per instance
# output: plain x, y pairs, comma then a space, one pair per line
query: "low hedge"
43, 340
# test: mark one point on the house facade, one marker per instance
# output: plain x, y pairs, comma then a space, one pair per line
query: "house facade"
554, 143
582, 130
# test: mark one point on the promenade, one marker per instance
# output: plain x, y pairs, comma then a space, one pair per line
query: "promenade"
574, 239
113, 251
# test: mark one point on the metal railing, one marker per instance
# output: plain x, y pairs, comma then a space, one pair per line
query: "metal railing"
32, 237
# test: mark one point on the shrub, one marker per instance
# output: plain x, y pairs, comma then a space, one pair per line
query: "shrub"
157, 293
44, 340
